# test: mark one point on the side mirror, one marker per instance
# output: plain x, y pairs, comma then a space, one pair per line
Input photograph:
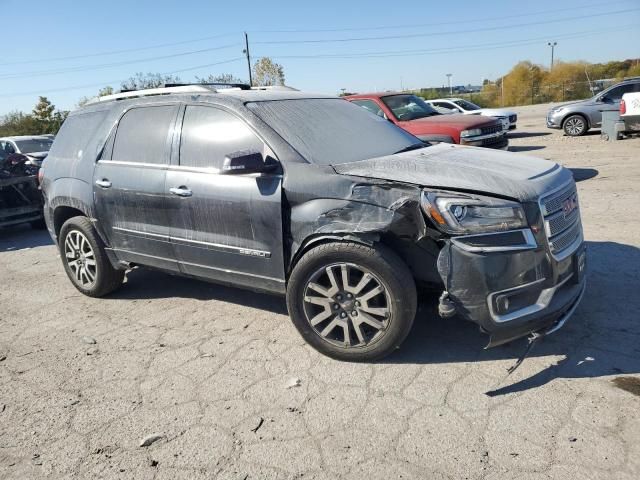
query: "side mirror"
246, 161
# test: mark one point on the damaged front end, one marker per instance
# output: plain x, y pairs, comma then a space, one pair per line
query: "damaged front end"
519, 280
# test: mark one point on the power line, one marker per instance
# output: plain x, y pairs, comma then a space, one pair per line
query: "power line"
102, 84
451, 32
459, 48
115, 52
430, 24
40, 73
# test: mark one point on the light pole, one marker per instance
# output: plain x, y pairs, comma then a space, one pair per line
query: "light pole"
553, 46
449, 82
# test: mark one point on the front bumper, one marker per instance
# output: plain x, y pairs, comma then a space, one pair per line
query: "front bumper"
513, 291
494, 140
554, 120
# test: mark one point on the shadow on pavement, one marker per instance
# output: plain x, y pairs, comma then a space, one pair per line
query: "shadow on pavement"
582, 174
602, 338
528, 134
516, 148
21, 237
144, 283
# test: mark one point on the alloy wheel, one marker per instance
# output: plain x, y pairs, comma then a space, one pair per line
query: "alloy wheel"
347, 305
574, 126
80, 258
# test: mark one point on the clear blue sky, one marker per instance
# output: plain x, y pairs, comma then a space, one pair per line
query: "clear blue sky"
471, 40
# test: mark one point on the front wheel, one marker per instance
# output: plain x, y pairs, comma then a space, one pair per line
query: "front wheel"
575, 125
85, 260
352, 302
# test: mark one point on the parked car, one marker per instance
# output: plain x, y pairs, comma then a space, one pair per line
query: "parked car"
460, 105
577, 118
34, 147
314, 198
412, 114
630, 112
20, 199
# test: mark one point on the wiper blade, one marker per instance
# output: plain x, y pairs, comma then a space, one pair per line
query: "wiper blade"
415, 146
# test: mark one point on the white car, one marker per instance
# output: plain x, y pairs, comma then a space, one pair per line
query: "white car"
460, 105
630, 111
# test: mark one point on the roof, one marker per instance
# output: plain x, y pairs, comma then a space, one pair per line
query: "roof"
451, 99
245, 95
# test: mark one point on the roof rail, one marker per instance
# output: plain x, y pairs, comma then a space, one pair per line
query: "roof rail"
153, 91
241, 86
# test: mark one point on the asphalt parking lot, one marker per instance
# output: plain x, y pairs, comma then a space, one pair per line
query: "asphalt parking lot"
220, 384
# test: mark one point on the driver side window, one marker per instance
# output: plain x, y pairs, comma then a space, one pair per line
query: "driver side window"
615, 94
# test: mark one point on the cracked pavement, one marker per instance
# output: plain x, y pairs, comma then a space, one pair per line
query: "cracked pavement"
223, 379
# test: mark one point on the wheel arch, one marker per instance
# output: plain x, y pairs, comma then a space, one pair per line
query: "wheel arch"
580, 114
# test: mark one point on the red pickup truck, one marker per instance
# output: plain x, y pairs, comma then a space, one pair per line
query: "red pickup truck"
412, 114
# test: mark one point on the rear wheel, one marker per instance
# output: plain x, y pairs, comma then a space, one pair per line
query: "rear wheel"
575, 125
85, 260
351, 301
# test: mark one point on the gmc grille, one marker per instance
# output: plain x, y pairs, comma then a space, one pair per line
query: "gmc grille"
561, 215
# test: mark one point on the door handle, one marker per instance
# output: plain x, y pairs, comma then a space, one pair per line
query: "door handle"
181, 191
104, 183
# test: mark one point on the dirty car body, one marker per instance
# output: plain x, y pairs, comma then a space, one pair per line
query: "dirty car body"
501, 237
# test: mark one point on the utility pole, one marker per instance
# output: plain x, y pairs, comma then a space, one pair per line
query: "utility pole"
553, 46
449, 82
246, 52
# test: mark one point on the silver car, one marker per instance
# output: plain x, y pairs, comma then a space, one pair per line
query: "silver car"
578, 117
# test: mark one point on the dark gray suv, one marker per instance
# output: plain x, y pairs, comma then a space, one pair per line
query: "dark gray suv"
313, 197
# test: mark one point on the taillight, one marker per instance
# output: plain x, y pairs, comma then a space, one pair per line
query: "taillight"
40, 175
623, 107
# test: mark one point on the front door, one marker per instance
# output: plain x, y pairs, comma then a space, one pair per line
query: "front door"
226, 227
129, 186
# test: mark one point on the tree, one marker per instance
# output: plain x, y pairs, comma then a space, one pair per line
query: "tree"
221, 78
141, 81
43, 111
267, 73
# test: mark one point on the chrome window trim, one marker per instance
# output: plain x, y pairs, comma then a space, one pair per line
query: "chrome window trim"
529, 242
209, 245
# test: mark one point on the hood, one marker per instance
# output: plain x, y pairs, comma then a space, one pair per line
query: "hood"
456, 167
455, 120
37, 155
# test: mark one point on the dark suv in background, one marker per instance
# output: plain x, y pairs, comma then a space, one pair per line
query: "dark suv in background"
313, 197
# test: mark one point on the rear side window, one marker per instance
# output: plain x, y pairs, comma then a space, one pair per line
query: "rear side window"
75, 134
143, 135
370, 105
209, 134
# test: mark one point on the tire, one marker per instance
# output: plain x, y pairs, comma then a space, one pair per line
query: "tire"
575, 125
365, 326
38, 224
84, 259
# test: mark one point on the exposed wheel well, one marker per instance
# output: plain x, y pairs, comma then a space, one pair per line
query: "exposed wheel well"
316, 241
62, 214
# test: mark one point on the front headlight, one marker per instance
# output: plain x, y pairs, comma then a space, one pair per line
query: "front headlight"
474, 132
559, 109
467, 214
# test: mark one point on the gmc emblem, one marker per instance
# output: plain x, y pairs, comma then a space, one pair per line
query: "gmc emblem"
569, 205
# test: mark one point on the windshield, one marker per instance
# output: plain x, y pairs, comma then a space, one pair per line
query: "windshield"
466, 105
330, 131
409, 107
34, 145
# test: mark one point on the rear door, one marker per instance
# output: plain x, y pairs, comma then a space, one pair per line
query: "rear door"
129, 186
226, 227
611, 101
